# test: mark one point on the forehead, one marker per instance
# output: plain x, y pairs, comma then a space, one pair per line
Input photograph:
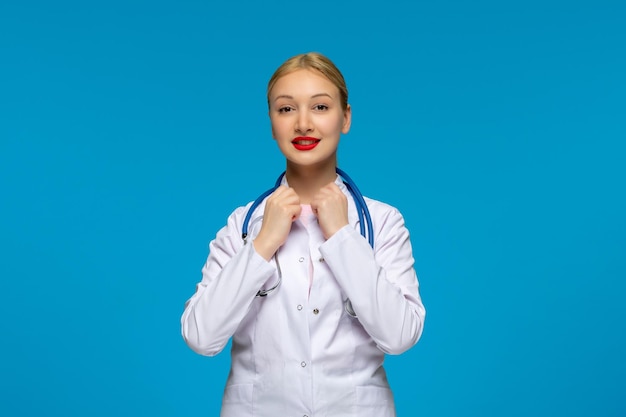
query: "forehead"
303, 82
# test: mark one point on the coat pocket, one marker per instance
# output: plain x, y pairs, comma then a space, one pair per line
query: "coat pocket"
237, 400
374, 402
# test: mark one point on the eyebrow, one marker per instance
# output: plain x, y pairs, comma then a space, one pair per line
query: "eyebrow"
313, 96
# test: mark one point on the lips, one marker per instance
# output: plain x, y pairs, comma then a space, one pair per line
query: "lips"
305, 143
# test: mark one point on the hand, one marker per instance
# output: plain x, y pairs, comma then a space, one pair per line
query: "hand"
282, 208
331, 208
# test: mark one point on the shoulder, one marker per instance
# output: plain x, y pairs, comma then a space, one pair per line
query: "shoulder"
235, 219
241, 211
385, 217
238, 216
380, 208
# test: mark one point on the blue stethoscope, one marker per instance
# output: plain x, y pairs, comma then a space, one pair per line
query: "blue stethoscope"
365, 221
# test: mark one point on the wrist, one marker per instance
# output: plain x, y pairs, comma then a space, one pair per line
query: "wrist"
264, 249
331, 232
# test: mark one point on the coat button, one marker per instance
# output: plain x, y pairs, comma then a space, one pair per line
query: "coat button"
299, 307
303, 364
301, 260
316, 311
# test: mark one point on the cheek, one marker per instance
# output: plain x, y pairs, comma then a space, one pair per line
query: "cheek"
275, 130
337, 125
278, 127
273, 127
326, 125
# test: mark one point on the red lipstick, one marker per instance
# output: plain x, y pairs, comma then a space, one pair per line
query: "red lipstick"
305, 143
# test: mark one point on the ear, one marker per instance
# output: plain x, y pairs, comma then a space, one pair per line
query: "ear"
347, 119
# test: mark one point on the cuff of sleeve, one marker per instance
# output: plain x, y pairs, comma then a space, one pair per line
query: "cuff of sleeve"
258, 261
342, 236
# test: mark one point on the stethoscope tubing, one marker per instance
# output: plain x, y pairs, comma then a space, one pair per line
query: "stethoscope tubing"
361, 206
365, 225
255, 204
365, 220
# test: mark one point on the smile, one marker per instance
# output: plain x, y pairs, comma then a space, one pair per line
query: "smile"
305, 143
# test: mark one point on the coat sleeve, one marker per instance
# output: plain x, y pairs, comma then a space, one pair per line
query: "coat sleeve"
381, 283
231, 277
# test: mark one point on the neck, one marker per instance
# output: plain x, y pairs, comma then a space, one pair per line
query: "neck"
307, 181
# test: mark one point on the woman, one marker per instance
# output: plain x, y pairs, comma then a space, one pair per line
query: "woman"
314, 346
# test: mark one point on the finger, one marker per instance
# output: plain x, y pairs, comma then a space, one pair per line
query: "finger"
295, 211
278, 191
328, 196
283, 197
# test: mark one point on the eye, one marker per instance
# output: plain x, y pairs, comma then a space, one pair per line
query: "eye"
320, 107
285, 109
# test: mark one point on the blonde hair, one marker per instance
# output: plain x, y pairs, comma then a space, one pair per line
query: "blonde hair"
312, 61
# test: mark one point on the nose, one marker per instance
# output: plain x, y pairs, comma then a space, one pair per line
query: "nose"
303, 122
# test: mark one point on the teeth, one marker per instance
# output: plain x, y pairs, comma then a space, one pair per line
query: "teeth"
306, 142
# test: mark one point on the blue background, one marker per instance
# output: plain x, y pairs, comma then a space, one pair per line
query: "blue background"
130, 130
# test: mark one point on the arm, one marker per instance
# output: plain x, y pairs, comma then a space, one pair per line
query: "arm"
231, 277
381, 284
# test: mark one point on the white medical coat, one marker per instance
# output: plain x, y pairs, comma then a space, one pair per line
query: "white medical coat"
296, 352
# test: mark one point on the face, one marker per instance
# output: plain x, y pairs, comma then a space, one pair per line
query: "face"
307, 118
